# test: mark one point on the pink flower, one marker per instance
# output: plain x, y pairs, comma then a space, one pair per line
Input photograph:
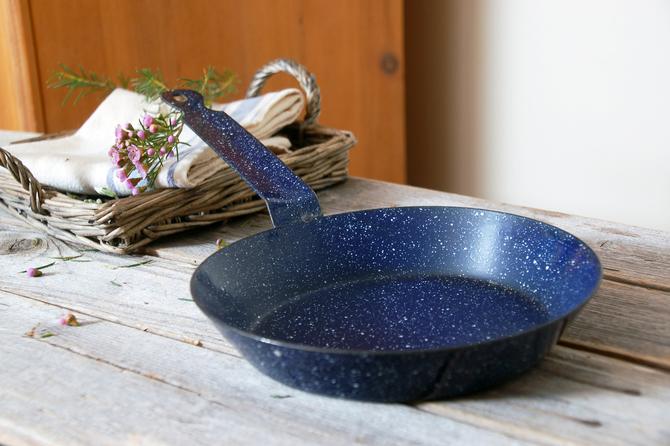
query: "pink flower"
151, 152
140, 134
115, 155
170, 139
153, 128
33, 272
120, 134
163, 151
134, 153
69, 319
173, 121
147, 120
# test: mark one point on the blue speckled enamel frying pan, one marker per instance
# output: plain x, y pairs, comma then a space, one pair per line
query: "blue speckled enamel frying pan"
397, 304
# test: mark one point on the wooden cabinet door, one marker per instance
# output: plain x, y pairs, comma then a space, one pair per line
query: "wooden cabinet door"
354, 47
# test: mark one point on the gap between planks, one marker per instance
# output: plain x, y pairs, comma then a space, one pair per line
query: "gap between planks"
662, 363
146, 274
621, 355
600, 326
629, 253
244, 398
638, 282
568, 386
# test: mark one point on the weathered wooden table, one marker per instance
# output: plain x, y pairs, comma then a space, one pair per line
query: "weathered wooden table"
146, 367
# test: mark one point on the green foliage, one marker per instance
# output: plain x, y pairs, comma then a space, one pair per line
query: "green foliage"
149, 83
82, 81
107, 192
212, 84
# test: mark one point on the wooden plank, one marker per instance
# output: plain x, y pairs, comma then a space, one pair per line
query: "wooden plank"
577, 398
625, 320
573, 398
102, 383
144, 284
629, 254
19, 78
354, 48
144, 297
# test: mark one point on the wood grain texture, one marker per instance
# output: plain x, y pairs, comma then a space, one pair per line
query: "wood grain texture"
629, 254
141, 329
623, 320
355, 48
20, 88
132, 387
573, 398
581, 397
634, 255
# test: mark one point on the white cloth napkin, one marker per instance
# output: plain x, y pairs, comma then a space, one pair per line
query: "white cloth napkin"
79, 163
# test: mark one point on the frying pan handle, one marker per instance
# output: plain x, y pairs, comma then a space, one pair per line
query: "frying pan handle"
287, 197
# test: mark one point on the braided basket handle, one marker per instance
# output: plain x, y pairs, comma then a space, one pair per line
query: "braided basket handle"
27, 180
305, 78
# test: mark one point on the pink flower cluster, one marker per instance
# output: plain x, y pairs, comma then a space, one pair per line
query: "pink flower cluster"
139, 151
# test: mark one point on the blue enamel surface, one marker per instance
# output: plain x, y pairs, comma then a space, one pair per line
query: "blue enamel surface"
376, 314
287, 197
398, 304
393, 304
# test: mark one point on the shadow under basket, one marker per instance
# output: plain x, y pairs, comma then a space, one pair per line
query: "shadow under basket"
123, 225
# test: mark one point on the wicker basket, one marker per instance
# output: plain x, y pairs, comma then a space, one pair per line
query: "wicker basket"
125, 224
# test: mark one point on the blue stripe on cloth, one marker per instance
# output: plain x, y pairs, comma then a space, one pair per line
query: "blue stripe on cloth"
111, 184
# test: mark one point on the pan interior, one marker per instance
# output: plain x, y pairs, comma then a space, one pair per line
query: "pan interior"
403, 312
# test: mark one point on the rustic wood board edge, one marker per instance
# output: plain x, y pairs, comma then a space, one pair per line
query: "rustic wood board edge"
615, 323
570, 389
629, 254
177, 260
164, 392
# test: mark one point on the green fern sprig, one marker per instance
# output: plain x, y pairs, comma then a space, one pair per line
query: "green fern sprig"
212, 85
82, 81
149, 83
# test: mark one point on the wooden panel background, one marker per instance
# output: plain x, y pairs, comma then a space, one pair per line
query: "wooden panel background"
19, 84
354, 47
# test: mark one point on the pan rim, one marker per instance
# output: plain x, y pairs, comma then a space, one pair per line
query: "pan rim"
433, 350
